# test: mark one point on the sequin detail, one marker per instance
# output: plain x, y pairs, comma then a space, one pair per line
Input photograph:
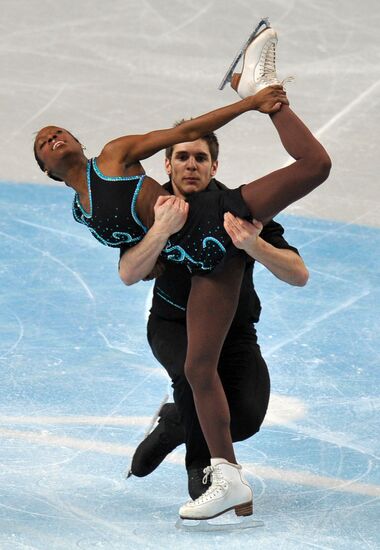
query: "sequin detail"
112, 219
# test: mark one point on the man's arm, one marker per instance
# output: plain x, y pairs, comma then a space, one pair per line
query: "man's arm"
138, 262
285, 264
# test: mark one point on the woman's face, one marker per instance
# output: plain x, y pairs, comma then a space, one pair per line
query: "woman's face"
52, 144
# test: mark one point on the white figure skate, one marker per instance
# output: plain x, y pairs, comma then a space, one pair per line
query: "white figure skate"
259, 65
263, 24
228, 490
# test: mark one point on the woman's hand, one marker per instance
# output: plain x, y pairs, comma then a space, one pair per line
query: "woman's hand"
269, 100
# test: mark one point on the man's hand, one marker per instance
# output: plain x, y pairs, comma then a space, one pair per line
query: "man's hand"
243, 233
270, 99
139, 262
285, 264
170, 214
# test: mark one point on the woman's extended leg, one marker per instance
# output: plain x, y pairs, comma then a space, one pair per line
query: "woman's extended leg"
210, 309
267, 196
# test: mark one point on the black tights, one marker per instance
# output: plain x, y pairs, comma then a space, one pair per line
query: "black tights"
243, 373
213, 299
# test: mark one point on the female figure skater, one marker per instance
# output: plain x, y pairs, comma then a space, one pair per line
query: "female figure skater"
116, 201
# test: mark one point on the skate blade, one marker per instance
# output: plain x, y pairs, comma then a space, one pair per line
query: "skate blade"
226, 522
227, 77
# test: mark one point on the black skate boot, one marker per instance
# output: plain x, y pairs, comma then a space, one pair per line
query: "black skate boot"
166, 436
196, 478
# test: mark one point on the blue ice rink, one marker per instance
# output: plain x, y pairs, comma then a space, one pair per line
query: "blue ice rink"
78, 387
78, 382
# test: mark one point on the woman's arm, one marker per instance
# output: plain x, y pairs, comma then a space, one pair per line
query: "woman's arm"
130, 149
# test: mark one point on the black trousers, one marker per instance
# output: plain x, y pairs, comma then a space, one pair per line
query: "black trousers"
242, 370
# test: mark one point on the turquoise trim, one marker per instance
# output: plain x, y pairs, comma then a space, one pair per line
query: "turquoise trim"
133, 205
112, 178
164, 297
140, 177
182, 255
171, 251
74, 211
76, 197
116, 235
212, 239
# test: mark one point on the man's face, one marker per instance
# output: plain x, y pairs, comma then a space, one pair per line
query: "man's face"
190, 167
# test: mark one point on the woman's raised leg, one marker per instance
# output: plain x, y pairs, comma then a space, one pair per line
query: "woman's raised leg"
269, 195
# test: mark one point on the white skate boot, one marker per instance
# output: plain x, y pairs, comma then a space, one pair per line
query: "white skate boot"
228, 491
259, 65
264, 23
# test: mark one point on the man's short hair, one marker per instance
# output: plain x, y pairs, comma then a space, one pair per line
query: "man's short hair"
210, 139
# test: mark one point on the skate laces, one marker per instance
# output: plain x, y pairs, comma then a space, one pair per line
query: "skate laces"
267, 64
286, 80
267, 67
207, 472
218, 484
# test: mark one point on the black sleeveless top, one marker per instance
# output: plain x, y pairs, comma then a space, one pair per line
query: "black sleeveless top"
201, 245
112, 218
